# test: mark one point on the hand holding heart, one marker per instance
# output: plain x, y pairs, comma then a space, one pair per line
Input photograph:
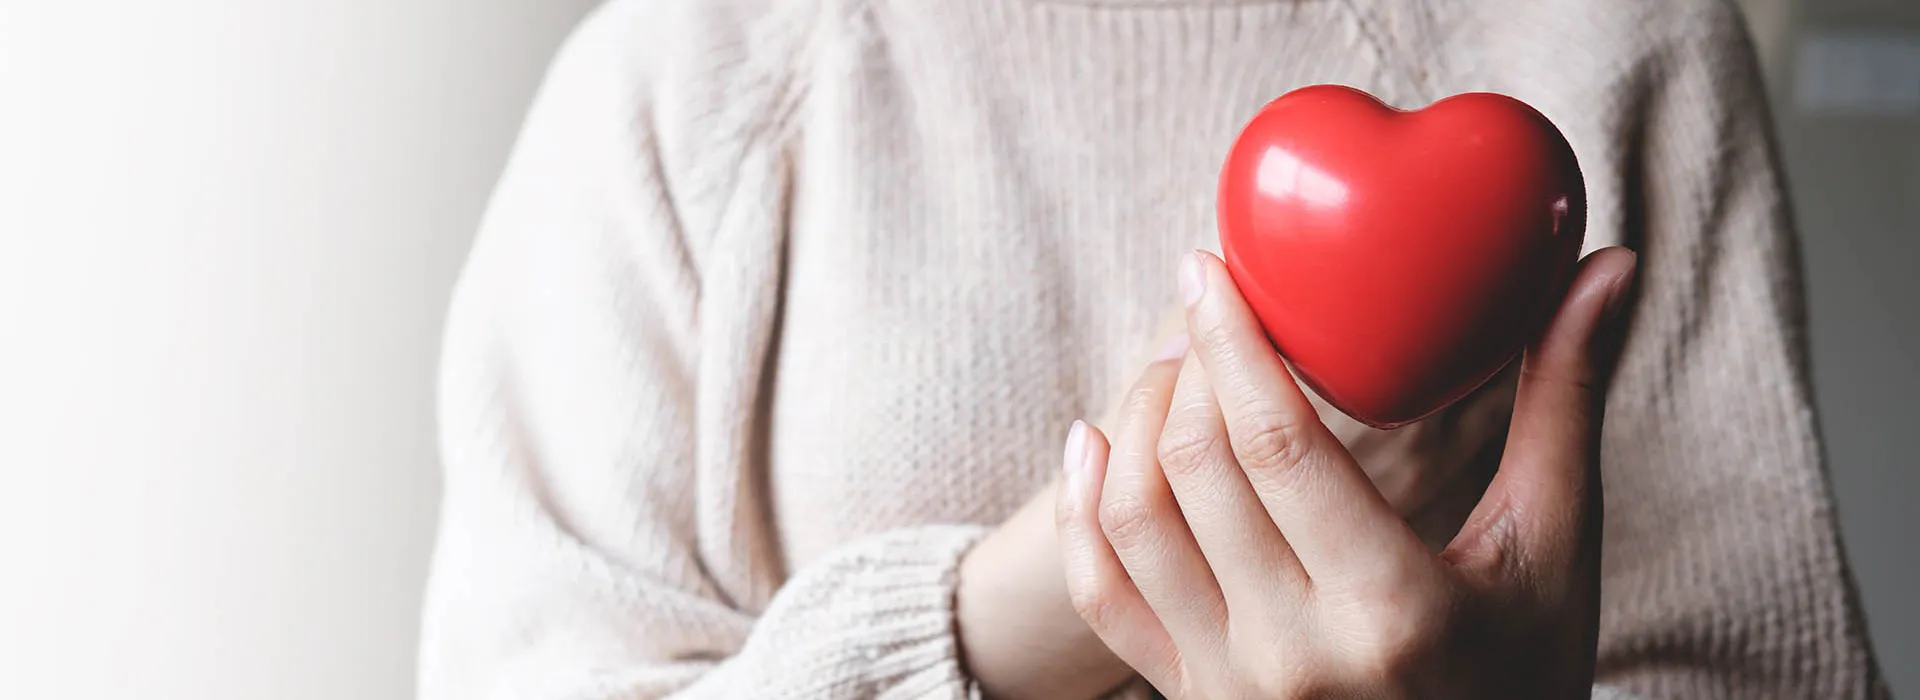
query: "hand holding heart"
1226, 545
1020, 635
1432, 471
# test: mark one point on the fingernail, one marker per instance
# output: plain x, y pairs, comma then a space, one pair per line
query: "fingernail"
1193, 278
1175, 349
1073, 463
1622, 288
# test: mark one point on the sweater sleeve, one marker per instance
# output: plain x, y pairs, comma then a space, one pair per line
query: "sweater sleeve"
1724, 575
570, 561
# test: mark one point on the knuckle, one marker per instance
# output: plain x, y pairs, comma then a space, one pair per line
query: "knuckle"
1209, 332
1304, 687
1399, 587
1314, 689
1293, 680
1137, 400
1185, 447
1096, 602
1128, 520
1396, 640
1268, 674
1272, 444
1145, 396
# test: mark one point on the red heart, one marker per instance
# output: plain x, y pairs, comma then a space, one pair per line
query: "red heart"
1400, 259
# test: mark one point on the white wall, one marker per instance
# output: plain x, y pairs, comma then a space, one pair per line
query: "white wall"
227, 231
1854, 168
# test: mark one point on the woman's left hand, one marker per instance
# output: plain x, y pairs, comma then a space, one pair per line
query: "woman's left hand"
1226, 545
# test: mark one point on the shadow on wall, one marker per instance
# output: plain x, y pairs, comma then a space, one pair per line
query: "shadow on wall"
1845, 76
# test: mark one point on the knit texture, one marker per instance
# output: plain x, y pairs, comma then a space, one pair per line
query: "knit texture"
780, 305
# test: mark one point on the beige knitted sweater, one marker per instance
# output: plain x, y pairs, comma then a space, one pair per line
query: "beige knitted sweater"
780, 305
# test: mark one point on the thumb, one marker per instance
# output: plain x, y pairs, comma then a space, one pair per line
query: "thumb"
1543, 507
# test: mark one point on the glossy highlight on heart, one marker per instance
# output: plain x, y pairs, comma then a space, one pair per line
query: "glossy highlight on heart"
1400, 259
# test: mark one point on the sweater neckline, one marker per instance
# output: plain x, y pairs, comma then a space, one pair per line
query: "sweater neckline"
1163, 4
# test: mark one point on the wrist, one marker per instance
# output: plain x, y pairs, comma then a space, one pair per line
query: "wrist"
1018, 634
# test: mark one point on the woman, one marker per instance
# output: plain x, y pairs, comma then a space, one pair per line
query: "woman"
756, 381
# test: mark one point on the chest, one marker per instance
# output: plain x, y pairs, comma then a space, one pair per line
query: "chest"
986, 259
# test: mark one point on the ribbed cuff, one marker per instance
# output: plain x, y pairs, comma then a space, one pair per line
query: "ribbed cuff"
876, 618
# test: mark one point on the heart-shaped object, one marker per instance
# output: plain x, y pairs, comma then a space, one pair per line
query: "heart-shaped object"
1400, 259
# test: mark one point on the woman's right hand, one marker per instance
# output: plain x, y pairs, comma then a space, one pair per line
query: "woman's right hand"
1282, 572
1432, 471
1019, 634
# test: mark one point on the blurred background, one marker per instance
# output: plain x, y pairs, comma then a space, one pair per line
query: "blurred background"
227, 235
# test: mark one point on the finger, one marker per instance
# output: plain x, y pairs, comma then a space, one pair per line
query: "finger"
1101, 591
1544, 504
1246, 551
1336, 521
1170, 343
1144, 524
